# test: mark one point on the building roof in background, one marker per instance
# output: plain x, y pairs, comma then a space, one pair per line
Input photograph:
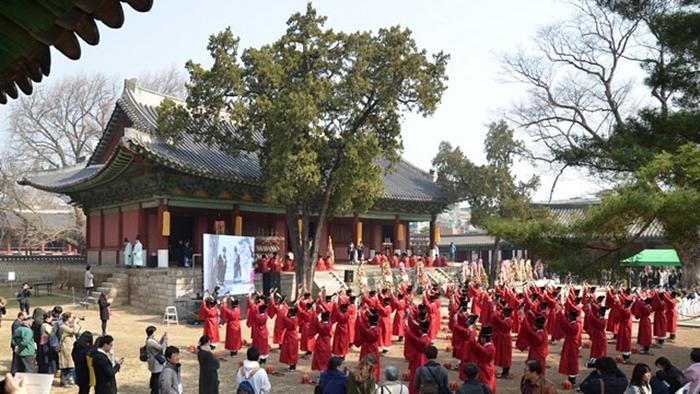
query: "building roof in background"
44, 220
407, 182
29, 28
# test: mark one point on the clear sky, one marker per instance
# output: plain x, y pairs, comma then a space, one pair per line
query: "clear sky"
473, 32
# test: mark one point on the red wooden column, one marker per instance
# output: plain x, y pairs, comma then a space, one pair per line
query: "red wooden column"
431, 246
355, 220
88, 238
102, 237
396, 243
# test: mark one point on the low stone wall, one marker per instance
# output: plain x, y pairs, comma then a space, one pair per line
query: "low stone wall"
37, 269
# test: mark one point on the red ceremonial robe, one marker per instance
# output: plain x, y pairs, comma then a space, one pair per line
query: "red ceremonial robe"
599, 339
352, 317
416, 356
570, 351
211, 327
468, 356
341, 338
322, 353
659, 308
370, 345
642, 312
484, 355
671, 314
290, 345
232, 319
259, 332
624, 331
502, 341
399, 307
306, 319
384, 324
278, 330
537, 341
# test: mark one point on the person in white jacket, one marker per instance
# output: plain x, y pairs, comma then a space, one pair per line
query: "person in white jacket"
253, 373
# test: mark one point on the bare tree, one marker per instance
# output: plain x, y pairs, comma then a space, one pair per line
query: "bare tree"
575, 94
169, 81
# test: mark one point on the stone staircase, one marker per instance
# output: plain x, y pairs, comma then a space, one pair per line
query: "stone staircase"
111, 288
330, 280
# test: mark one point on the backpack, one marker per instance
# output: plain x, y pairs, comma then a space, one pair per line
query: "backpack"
143, 353
245, 387
55, 342
429, 384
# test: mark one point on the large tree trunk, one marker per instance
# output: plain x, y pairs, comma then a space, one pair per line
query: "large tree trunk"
690, 265
494, 264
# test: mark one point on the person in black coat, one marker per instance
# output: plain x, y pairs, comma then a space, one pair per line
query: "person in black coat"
79, 354
105, 372
104, 311
606, 371
674, 376
208, 368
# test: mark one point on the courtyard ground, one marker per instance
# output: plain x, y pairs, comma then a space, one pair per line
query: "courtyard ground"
128, 326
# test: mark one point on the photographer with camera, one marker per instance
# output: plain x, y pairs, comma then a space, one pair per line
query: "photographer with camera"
67, 333
156, 359
23, 297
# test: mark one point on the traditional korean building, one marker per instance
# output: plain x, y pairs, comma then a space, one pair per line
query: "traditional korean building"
138, 183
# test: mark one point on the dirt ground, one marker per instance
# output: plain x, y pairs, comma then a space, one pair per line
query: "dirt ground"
128, 326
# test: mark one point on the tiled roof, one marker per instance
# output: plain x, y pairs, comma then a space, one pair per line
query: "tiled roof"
65, 177
565, 211
29, 28
407, 182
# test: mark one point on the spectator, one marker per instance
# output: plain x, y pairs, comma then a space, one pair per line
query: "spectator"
639, 384
80, 351
431, 372
23, 297
67, 332
155, 357
658, 383
692, 373
606, 371
89, 281
361, 379
333, 380
674, 376
170, 379
104, 304
392, 384
208, 367
252, 373
105, 369
533, 381
45, 356
23, 345
17, 323
472, 384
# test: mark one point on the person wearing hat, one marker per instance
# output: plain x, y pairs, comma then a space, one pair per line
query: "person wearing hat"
642, 309
368, 339
209, 313
341, 338
502, 341
280, 309
484, 352
417, 340
307, 318
322, 352
398, 304
231, 317
571, 326
596, 330
534, 338
624, 331
23, 345
289, 354
208, 367
258, 323
384, 313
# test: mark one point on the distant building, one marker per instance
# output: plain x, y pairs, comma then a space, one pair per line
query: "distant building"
41, 232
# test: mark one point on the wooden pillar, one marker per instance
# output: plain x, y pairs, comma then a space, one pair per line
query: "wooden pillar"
43, 248
102, 237
431, 244
70, 249
236, 212
396, 244
355, 234
9, 244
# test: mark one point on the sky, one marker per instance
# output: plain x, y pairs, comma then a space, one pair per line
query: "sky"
473, 32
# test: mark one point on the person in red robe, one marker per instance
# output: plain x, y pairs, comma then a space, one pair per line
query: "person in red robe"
642, 310
231, 317
599, 339
535, 340
384, 313
571, 326
209, 312
279, 329
502, 341
369, 341
341, 338
289, 353
659, 307
274, 264
320, 264
259, 332
398, 304
413, 261
289, 263
484, 353
322, 352
624, 330
329, 263
417, 339
307, 318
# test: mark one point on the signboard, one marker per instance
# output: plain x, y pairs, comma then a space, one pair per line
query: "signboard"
228, 263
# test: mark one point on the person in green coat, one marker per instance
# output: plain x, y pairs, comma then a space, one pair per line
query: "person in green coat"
23, 345
361, 379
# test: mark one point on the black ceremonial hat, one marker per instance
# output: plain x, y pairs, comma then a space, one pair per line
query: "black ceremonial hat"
486, 331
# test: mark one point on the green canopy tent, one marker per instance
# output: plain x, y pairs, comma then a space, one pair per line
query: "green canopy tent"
654, 258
